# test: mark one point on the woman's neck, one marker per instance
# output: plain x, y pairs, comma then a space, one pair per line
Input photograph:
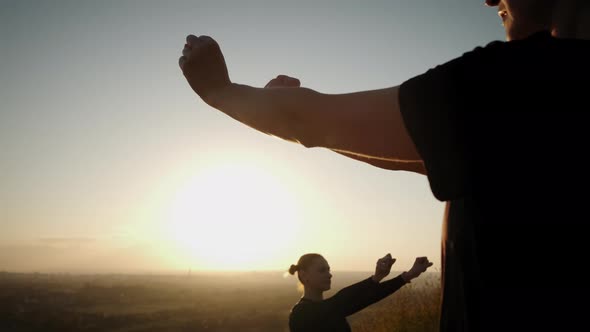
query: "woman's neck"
313, 294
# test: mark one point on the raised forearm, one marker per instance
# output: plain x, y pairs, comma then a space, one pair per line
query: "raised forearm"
365, 123
371, 292
287, 113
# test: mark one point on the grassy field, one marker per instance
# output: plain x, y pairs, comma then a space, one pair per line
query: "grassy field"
247, 301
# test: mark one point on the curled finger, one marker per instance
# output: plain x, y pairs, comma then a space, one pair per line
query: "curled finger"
186, 50
205, 38
192, 40
181, 62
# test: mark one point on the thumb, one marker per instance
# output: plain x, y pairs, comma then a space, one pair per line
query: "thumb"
273, 83
293, 82
289, 81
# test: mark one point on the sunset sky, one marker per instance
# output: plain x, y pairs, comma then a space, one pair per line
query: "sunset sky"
110, 163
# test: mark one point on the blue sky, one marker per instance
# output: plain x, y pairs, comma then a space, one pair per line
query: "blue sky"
99, 132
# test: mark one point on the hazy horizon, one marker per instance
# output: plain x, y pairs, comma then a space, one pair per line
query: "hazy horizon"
109, 161
258, 302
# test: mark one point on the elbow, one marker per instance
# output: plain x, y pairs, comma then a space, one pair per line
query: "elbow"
304, 135
308, 143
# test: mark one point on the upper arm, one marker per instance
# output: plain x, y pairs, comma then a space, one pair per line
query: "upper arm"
367, 123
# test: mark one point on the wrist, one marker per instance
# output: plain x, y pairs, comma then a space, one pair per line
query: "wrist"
216, 97
407, 276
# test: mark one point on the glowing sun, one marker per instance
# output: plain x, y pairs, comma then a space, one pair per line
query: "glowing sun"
233, 217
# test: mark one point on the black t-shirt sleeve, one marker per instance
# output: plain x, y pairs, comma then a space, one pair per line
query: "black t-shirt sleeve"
436, 107
318, 316
360, 295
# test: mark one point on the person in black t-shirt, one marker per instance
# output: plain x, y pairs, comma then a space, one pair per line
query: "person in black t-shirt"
314, 313
500, 133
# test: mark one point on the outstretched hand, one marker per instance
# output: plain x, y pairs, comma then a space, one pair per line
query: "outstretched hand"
383, 267
421, 264
204, 67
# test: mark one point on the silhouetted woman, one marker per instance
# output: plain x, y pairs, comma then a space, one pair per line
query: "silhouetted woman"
313, 313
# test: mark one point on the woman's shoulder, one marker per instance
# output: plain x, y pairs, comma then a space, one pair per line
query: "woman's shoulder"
303, 304
307, 307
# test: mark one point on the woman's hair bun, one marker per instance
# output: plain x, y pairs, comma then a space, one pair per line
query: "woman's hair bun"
293, 269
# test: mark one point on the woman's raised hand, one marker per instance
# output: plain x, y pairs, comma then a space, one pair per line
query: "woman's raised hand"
383, 267
421, 264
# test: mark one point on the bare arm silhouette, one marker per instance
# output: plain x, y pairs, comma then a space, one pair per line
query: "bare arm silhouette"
367, 125
284, 81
